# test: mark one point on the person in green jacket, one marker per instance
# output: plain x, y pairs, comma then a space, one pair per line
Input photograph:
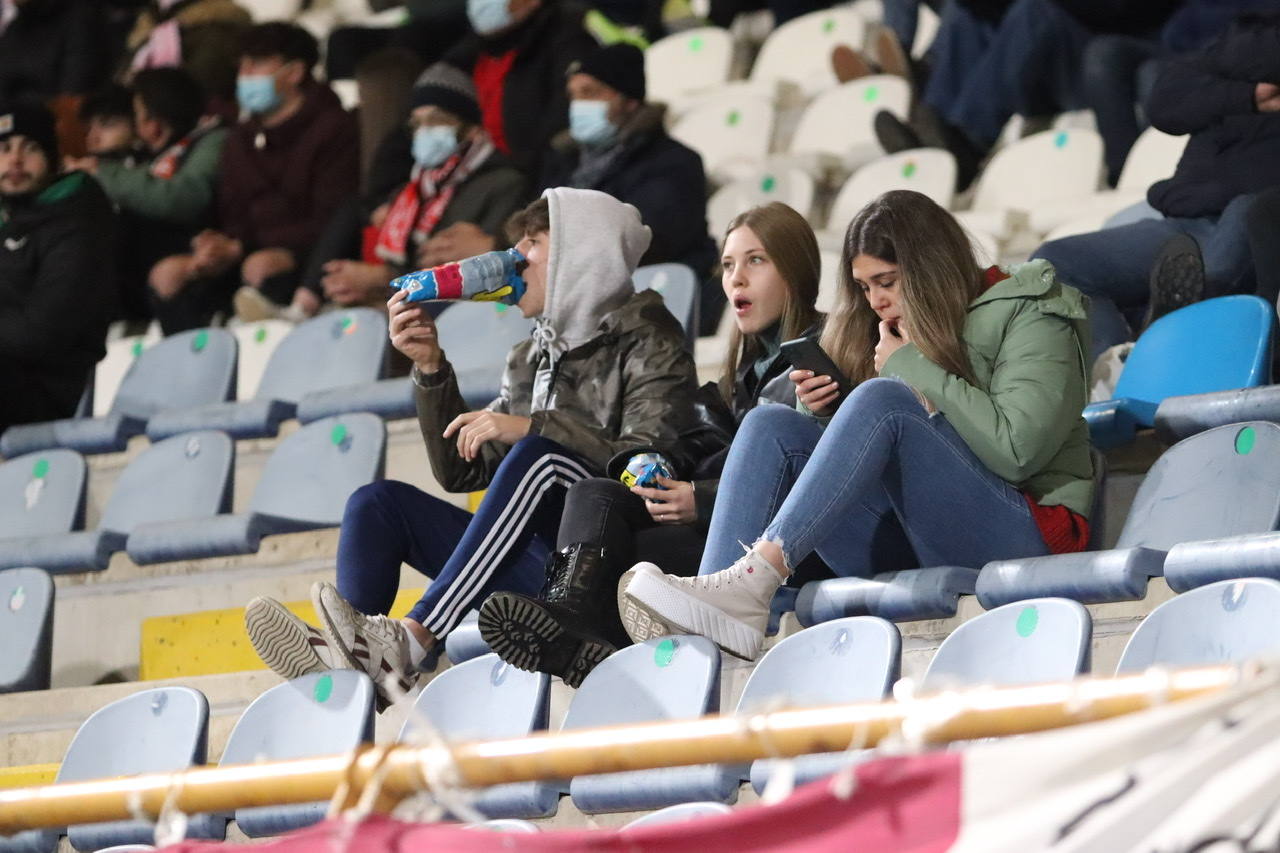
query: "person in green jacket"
960, 442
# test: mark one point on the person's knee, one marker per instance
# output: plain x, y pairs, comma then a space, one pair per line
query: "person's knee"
768, 419
368, 502
169, 276
264, 264
532, 447
881, 395
598, 488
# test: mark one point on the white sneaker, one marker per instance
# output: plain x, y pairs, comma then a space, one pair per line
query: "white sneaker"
286, 644
730, 608
375, 645
252, 306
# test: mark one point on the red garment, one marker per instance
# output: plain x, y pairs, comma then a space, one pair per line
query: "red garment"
1063, 531
490, 76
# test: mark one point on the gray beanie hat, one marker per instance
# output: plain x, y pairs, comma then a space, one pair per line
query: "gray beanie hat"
446, 87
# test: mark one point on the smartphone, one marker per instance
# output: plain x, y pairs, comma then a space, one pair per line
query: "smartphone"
805, 354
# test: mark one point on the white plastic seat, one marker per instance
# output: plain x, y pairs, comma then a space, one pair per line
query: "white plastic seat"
931, 171
828, 280
731, 131
791, 186
273, 10
111, 370
687, 61
257, 342
799, 51
836, 131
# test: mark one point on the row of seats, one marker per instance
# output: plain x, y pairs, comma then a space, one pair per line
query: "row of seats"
852, 659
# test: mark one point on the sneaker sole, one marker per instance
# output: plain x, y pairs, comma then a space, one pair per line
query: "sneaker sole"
1178, 278
526, 636
688, 615
638, 621
275, 638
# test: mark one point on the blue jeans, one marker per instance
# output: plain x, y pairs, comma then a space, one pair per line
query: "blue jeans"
983, 74
889, 488
1113, 266
503, 547
1119, 73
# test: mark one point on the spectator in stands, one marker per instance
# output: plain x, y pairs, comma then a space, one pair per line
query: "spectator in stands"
518, 58
770, 269
285, 170
1263, 225
202, 36
433, 26
107, 116
165, 197
460, 193
56, 288
605, 372
1227, 97
993, 59
616, 143
960, 442
49, 48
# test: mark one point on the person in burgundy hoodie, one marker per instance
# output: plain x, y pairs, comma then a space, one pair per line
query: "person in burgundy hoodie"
285, 170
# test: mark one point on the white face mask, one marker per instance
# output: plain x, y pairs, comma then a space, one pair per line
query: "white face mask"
433, 145
589, 123
488, 16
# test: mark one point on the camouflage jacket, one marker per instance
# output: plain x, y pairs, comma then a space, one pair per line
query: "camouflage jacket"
632, 385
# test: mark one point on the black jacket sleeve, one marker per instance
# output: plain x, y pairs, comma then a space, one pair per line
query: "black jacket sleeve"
1188, 97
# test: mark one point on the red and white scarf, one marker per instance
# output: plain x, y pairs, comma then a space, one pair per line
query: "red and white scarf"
168, 161
419, 206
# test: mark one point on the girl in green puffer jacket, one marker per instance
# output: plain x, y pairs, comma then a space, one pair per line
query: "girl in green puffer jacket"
960, 442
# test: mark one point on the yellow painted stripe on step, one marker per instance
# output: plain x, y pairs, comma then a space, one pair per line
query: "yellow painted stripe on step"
211, 642
473, 501
27, 775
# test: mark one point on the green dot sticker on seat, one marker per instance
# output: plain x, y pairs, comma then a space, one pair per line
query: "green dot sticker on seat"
733, 118
1027, 621
829, 26
338, 434
41, 469
200, 341
1245, 439
870, 94
260, 335
348, 324
768, 184
137, 348
16, 599
323, 689
908, 168
696, 44
665, 652
1060, 140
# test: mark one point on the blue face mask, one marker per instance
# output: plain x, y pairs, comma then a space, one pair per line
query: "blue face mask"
257, 93
432, 145
488, 16
589, 123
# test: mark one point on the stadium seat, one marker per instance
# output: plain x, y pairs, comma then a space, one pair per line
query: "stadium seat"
799, 51
476, 337
687, 61
791, 186
731, 130
26, 629
257, 343
680, 291
326, 713
388, 398
465, 642
1043, 170
1180, 416
1028, 642
667, 678
1215, 345
678, 814
42, 494
304, 486
931, 171
847, 660
187, 369
902, 596
1220, 483
486, 698
111, 370
1224, 622
836, 134
185, 477
154, 731
828, 280
332, 350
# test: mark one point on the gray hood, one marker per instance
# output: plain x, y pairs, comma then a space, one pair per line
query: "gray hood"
596, 243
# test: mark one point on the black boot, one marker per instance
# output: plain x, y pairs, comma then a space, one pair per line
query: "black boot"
569, 628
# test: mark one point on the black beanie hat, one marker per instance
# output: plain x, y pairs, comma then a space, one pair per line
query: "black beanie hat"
446, 87
618, 66
35, 123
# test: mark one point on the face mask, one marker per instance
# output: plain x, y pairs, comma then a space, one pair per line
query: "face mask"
432, 145
488, 16
589, 123
257, 93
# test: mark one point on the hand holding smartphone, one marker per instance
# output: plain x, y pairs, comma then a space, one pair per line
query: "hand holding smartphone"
805, 354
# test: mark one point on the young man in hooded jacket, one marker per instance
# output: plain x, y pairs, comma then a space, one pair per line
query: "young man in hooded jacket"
605, 372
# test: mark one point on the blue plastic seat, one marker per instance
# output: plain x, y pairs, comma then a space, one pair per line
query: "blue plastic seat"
26, 629
1224, 622
304, 486
155, 731
668, 678
194, 368
1215, 345
486, 698
336, 349
464, 642
679, 287
1221, 483
326, 713
855, 659
1029, 642
184, 477
901, 596
476, 337
42, 494
678, 814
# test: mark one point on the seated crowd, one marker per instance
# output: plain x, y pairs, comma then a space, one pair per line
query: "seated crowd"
949, 433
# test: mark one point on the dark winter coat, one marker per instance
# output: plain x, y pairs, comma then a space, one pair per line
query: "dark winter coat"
53, 47
57, 295
661, 177
1233, 149
283, 194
